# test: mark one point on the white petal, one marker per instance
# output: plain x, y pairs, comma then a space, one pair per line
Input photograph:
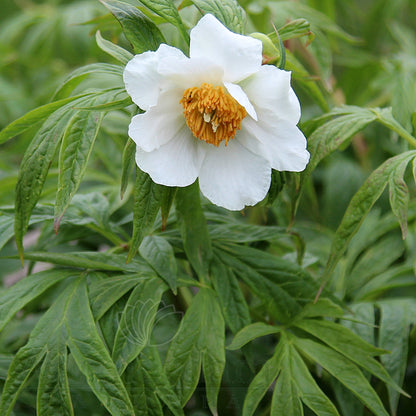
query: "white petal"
240, 56
232, 177
187, 72
160, 123
269, 89
176, 163
285, 143
240, 96
141, 77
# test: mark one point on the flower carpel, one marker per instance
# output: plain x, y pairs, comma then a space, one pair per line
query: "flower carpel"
211, 113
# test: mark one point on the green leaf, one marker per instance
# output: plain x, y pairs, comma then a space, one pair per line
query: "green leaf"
113, 50
245, 233
139, 30
166, 204
263, 380
285, 400
104, 293
285, 10
27, 289
53, 396
200, 339
399, 196
335, 133
361, 204
344, 370
136, 322
147, 200
80, 74
306, 386
167, 10
323, 307
268, 276
24, 363
35, 167
294, 29
46, 332
229, 12
213, 357
250, 332
75, 152
394, 336
349, 344
90, 260
193, 228
152, 365
160, 255
32, 117
142, 391
127, 164
233, 304
92, 357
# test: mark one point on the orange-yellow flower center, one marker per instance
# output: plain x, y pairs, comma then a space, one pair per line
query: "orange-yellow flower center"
211, 113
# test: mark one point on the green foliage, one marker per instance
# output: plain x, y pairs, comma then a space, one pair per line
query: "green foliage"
141, 299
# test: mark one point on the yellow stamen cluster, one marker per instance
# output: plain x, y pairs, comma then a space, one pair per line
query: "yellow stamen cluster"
211, 113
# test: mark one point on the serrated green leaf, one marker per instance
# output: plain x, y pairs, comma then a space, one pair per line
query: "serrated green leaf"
127, 164
335, 133
233, 304
35, 167
399, 196
113, 50
53, 396
92, 357
250, 332
139, 30
27, 289
200, 339
32, 117
229, 12
75, 152
361, 204
160, 255
167, 10
344, 370
136, 322
193, 227
147, 200
38, 158
80, 74
263, 380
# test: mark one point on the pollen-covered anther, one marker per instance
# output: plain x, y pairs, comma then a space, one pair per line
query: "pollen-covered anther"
211, 113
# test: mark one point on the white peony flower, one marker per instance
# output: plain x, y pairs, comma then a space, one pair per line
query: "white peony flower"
219, 115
